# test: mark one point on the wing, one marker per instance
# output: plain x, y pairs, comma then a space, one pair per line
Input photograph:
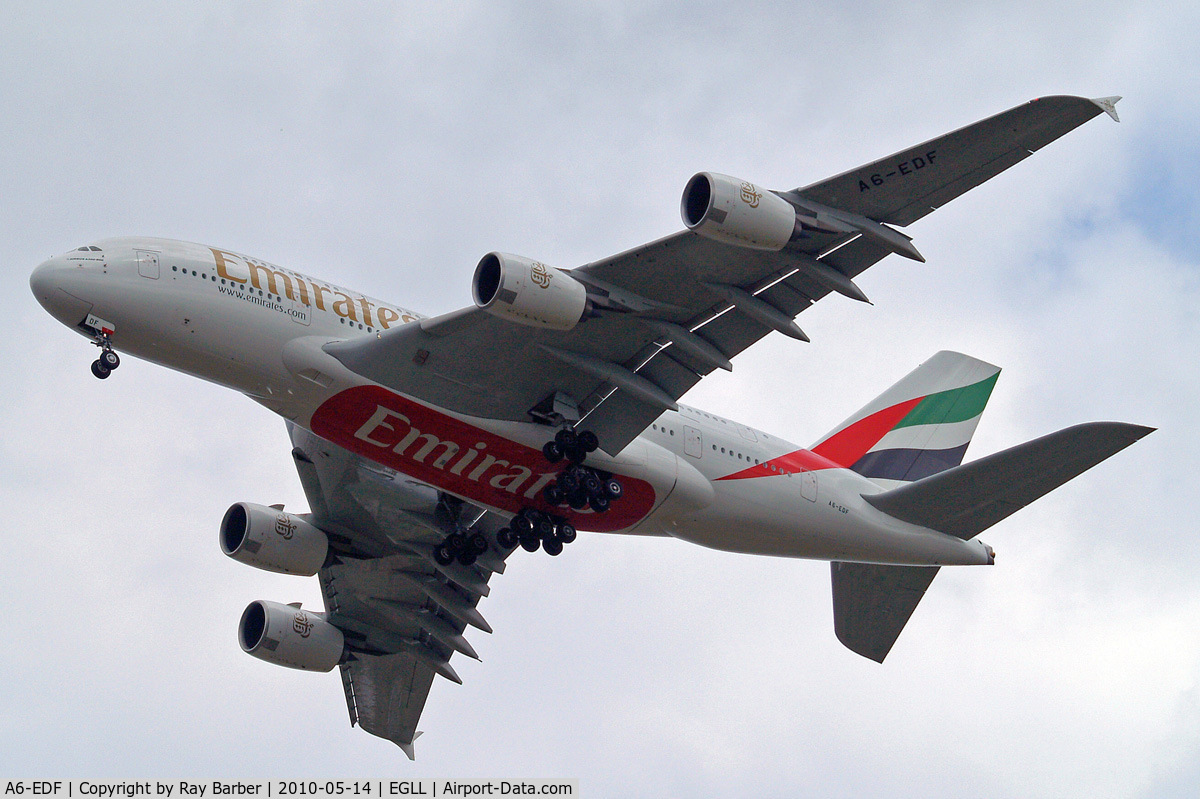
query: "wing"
403, 614
670, 312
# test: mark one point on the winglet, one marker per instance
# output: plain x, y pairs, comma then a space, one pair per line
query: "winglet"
408, 747
1108, 105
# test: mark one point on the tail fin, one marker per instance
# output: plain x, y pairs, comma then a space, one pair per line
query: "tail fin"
918, 427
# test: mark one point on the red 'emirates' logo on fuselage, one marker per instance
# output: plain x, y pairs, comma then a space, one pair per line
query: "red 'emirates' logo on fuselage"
458, 457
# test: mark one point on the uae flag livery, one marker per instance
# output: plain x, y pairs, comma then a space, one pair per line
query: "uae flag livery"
920, 426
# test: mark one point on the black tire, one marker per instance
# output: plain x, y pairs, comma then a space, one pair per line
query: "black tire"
522, 525
568, 481
544, 528
530, 543
578, 500
566, 532
591, 484
575, 454
443, 555
553, 495
566, 438
552, 546
552, 451
467, 557
477, 543
506, 538
457, 542
613, 489
99, 370
109, 359
599, 503
589, 441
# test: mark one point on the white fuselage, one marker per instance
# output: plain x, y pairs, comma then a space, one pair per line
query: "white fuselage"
259, 329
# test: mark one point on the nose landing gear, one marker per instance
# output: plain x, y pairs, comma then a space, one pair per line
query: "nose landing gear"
103, 366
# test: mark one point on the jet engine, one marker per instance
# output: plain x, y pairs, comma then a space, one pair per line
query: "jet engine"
737, 212
528, 292
272, 540
288, 636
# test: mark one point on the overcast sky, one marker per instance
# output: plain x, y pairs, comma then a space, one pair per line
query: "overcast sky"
387, 146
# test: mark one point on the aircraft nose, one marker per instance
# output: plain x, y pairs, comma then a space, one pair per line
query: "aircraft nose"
42, 281
47, 284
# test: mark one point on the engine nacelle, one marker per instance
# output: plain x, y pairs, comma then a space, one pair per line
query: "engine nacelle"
737, 212
528, 292
272, 540
288, 636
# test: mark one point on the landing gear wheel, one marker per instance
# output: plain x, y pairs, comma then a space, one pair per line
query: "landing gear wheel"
443, 555
599, 503
477, 543
100, 370
457, 542
566, 438
109, 360
553, 451
552, 546
553, 495
529, 542
566, 533
568, 482
544, 528
613, 489
506, 538
589, 441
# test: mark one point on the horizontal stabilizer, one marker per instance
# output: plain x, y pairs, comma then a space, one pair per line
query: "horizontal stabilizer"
871, 604
968, 499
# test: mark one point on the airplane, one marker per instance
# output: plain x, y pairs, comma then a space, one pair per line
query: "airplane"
432, 448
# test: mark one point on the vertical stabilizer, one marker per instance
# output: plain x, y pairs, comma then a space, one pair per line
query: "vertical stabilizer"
918, 427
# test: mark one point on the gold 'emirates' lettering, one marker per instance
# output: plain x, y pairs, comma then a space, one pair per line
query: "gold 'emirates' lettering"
297, 288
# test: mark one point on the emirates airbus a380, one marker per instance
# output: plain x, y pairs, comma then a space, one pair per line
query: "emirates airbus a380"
430, 448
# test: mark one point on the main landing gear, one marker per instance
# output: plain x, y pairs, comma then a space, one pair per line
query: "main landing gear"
533, 529
463, 547
577, 486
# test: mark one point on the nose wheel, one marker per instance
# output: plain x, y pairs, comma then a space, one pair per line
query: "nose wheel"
103, 366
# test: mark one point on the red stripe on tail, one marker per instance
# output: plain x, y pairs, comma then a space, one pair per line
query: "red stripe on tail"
846, 446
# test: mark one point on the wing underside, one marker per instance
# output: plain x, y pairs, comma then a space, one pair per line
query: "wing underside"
670, 312
403, 615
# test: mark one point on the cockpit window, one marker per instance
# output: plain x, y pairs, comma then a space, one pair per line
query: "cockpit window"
95, 249
91, 248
